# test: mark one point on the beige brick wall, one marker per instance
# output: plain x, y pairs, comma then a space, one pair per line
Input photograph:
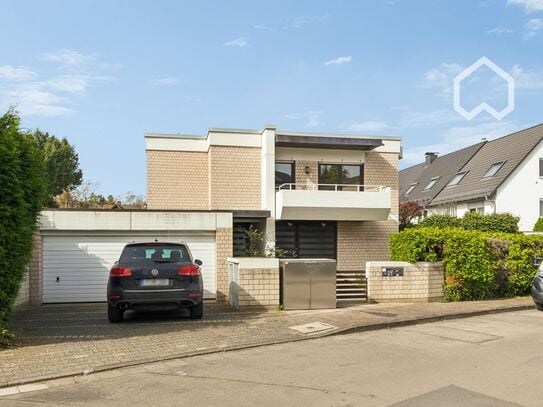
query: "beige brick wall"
235, 177
360, 242
306, 179
258, 287
382, 169
224, 250
35, 271
421, 282
177, 180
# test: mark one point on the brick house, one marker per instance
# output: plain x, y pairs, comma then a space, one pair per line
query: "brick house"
313, 195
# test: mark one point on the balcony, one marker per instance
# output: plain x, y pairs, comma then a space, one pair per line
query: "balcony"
332, 202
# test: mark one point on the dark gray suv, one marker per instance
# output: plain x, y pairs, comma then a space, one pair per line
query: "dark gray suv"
155, 276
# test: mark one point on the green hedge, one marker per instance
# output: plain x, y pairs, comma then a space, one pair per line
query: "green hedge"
478, 265
538, 227
496, 222
22, 192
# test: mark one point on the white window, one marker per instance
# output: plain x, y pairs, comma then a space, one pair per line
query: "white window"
431, 183
541, 168
411, 188
541, 207
457, 178
494, 168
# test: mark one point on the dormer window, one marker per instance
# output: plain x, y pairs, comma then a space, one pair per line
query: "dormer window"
431, 184
457, 178
411, 188
494, 168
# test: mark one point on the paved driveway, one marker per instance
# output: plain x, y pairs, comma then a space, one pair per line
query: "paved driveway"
83, 322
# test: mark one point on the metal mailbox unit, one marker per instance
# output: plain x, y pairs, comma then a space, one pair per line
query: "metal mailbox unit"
308, 283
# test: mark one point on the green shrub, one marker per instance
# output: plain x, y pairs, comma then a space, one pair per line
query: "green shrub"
478, 265
440, 221
495, 222
538, 227
22, 186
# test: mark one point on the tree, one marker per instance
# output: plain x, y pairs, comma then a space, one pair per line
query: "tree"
408, 211
22, 193
61, 163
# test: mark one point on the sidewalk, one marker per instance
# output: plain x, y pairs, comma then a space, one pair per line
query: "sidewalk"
57, 342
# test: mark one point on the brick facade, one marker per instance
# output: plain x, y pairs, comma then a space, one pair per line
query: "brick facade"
258, 287
306, 179
235, 177
382, 169
224, 246
421, 282
177, 180
35, 271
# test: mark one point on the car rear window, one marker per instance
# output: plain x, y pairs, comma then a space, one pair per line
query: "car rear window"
157, 253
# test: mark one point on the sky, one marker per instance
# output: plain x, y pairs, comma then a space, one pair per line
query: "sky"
102, 73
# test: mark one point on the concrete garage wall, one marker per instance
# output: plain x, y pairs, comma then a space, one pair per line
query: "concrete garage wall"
421, 282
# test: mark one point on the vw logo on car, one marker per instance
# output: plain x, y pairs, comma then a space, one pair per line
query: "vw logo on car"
154, 272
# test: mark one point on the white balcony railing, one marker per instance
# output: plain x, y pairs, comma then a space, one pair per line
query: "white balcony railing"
332, 187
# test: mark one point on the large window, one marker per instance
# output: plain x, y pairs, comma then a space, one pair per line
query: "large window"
431, 184
411, 188
346, 175
284, 173
457, 178
541, 168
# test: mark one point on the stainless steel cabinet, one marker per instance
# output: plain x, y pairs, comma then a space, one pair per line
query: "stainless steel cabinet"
308, 283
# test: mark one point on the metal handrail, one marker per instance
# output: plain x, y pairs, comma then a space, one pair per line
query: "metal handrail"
336, 187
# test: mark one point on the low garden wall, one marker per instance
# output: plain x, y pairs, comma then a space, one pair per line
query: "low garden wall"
254, 281
399, 281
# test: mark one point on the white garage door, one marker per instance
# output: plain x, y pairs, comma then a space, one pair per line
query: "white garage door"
76, 267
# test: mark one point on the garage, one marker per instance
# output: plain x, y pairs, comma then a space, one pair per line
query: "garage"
78, 248
76, 266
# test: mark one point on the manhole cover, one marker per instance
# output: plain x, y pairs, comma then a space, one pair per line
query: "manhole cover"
312, 327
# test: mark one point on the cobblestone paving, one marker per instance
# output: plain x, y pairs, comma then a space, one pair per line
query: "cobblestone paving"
57, 340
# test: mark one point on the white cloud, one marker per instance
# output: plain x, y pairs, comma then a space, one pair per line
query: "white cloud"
33, 100
441, 78
304, 20
16, 73
68, 57
368, 127
499, 31
532, 28
68, 83
238, 42
459, 137
339, 60
529, 6
312, 117
166, 81
528, 80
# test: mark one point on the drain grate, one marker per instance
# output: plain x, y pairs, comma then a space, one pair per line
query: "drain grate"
312, 327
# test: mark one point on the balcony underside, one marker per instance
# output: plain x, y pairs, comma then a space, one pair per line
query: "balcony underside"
332, 205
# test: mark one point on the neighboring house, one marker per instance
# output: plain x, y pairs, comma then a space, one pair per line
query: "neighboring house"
502, 175
315, 195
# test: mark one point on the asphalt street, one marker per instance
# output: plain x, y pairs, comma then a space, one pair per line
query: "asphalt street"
491, 360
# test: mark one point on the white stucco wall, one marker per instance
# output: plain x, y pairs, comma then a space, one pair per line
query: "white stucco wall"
521, 192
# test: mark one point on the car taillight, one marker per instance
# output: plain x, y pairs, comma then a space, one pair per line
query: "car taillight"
191, 270
120, 272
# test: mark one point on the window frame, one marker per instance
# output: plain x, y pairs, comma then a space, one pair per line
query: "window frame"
433, 181
292, 169
499, 164
540, 167
411, 188
462, 175
340, 173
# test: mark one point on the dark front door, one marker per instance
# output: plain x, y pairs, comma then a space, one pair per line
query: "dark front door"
307, 239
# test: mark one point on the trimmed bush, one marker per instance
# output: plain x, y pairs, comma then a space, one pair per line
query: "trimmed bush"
495, 222
538, 227
478, 265
440, 221
22, 186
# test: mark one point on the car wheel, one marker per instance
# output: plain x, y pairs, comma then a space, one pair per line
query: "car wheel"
114, 314
197, 311
539, 306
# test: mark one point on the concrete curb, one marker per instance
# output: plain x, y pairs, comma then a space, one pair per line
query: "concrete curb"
340, 331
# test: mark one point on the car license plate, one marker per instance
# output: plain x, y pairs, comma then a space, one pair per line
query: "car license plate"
155, 282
